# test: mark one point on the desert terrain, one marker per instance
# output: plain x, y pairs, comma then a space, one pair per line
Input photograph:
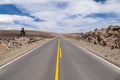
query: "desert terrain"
13, 45
103, 42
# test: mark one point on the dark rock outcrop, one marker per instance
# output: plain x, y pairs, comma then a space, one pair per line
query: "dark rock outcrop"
105, 37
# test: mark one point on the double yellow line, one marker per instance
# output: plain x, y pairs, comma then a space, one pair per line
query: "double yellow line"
58, 57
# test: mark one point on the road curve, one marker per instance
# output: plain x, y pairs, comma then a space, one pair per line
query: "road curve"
75, 64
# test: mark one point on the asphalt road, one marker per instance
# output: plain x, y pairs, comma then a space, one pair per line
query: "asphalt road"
75, 64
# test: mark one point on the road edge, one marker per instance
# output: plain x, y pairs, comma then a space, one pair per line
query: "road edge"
111, 64
27, 52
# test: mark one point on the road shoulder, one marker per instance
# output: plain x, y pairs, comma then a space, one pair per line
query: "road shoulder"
18, 53
83, 45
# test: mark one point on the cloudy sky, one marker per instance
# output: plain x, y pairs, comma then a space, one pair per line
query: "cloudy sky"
59, 15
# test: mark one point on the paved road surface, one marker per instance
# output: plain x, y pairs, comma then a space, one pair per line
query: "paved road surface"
75, 64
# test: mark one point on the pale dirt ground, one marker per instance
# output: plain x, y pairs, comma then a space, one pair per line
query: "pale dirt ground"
105, 52
12, 54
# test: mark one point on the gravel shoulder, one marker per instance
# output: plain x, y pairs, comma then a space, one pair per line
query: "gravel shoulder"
14, 53
112, 56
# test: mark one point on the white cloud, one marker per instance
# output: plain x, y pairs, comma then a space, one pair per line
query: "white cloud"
47, 10
10, 27
11, 18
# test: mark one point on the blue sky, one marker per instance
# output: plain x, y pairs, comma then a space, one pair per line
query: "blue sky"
63, 16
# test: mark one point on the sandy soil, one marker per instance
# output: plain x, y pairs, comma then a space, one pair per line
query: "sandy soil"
104, 52
12, 54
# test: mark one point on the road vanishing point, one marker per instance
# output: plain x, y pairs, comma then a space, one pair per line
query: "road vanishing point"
59, 59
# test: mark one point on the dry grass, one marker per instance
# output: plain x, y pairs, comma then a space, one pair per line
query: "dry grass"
15, 33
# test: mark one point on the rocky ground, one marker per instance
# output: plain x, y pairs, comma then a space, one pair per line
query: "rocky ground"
104, 42
12, 45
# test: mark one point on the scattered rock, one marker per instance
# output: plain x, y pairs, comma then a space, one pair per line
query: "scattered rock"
105, 37
17, 42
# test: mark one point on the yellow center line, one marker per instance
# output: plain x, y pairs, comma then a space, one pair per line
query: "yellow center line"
60, 52
59, 55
